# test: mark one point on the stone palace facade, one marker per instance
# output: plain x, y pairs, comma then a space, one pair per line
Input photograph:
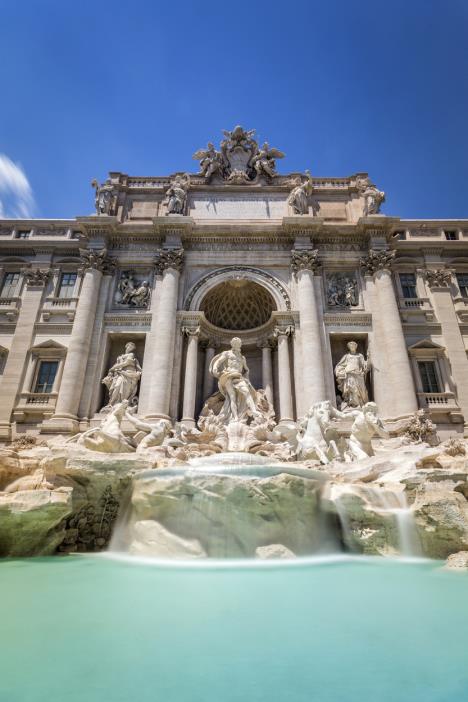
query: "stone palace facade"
296, 266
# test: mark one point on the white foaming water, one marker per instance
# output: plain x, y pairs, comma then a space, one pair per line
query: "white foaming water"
389, 500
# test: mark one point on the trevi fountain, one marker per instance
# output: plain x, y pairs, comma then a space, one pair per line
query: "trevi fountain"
228, 486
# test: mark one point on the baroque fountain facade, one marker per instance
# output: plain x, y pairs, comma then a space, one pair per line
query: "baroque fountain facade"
234, 363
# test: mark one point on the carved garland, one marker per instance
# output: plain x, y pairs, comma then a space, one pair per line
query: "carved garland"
235, 270
37, 278
440, 278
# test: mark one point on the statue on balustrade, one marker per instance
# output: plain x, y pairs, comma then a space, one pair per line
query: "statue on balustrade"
232, 373
105, 199
373, 197
351, 372
298, 197
122, 378
176, 195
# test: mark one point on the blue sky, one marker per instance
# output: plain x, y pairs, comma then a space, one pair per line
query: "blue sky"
340, 86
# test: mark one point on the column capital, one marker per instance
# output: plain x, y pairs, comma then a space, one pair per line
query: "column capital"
190, 331
96, 259
438, 278
377, 261
169, 258
304, 260
36, 278
284, 331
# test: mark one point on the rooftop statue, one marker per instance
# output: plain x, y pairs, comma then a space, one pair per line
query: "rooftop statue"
373, 197
240, 160
105, 199
298, 197
176, 195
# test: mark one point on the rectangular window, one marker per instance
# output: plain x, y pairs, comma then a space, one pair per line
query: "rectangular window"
10, 285
451, 236
408, 284
428, 374
462, 279
3, 359
46, 376
24, 234
67, 285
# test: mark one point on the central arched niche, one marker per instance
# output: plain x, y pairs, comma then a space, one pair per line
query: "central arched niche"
238, 304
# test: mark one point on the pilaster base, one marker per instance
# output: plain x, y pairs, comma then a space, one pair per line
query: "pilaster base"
61, 424
5, 431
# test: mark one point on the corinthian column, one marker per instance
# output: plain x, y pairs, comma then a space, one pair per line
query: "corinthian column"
191, 367
11, 379
208, 380
65, 418
400, 396
169, 264
284, 373
304, 263
267, 370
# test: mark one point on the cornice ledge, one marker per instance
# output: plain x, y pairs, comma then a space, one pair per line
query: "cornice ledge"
302, 223
171, 223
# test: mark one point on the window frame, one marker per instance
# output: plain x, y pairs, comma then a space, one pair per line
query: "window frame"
406, 285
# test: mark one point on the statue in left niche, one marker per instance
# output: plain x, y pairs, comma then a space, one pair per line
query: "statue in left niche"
105, 199
176, 195
132, 293
122, 378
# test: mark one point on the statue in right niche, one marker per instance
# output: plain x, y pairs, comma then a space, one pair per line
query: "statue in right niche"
351, 372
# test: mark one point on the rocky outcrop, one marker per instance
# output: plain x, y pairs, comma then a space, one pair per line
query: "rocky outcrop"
273, 552
408, 497
230, 515
32, 521
457, 561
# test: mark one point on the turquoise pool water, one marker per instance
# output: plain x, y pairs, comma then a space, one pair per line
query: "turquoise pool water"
91, 629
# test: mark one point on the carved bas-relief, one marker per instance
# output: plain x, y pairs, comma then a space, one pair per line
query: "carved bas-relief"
122, 379
132, 291
342, 290
351, 372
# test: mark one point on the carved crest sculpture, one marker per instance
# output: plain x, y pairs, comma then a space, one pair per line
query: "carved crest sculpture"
240, 159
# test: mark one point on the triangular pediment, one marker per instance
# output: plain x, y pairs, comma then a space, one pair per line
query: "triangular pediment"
426, 344
50, 344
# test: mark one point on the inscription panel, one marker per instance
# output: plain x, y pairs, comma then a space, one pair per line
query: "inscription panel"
233, 206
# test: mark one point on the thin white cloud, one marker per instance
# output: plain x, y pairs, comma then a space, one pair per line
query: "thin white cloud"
16, 195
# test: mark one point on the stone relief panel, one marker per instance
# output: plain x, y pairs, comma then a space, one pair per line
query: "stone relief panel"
133, 290
342, 290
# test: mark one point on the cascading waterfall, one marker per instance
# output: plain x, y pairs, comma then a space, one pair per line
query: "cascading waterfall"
386, 509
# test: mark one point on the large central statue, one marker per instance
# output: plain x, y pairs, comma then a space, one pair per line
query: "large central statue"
232, 373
